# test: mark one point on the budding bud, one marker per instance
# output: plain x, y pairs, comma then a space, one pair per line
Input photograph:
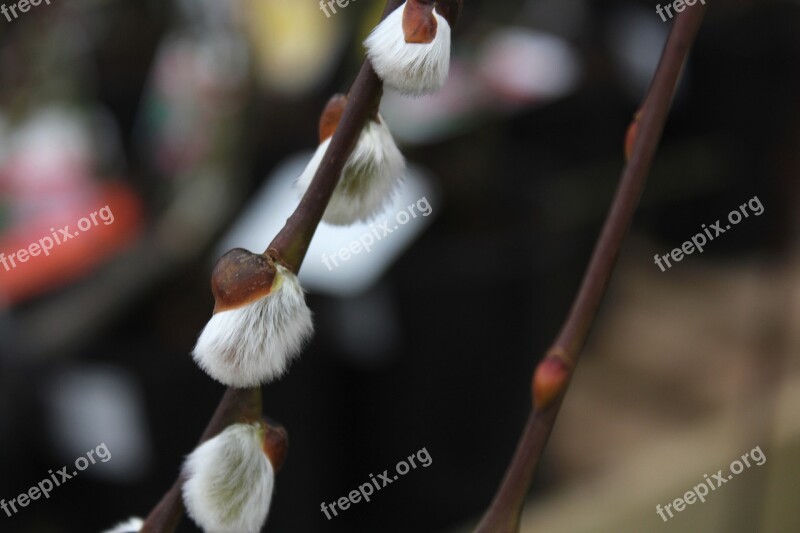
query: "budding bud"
419, 23
229, 480
549, 380
241, 277
260, 322
276, 445
631, 135
331, 116
410, 48
370, 175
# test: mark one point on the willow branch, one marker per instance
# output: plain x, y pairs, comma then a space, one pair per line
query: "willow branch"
504, 512
290, 246
291, 243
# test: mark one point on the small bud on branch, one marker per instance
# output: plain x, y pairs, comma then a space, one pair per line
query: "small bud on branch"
371, 175
631, 135
410, 49
229, 479
260, 322
550, 379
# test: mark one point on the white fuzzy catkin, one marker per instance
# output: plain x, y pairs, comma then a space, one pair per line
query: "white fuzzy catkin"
228, 481
254, 344
133, 525
410, 68
369, 178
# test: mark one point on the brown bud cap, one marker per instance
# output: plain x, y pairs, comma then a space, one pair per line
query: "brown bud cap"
241, 277
631, 135
419, 24
331, 115
276, 444
549, 380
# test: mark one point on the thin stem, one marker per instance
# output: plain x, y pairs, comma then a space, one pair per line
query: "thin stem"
293, 240
291, 243
167, 514
504, 513
653, 116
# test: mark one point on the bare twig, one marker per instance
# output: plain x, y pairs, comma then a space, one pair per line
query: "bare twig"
504, 513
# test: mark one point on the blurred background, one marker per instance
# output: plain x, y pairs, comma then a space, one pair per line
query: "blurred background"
189, 119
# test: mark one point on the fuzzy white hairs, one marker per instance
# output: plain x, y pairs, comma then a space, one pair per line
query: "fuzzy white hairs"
370, 176
132, 525
254, 344
410, 68
228, 481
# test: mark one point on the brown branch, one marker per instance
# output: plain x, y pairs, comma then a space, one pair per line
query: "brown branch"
504, 513
290, 245
167, 514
